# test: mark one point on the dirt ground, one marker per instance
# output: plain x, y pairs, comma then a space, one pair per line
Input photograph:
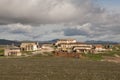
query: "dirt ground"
112, 59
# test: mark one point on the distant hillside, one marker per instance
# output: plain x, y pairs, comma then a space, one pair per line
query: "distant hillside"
9, 42
100, 42
50, 41
17, 43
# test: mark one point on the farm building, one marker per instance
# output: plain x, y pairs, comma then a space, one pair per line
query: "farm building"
29, 46
61, 41
13, 51
79, 47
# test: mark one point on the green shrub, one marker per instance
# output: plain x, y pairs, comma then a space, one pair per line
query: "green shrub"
94, 56
1, 52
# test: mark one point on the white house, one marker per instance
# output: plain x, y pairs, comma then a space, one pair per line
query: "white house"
61, 41
29, 46
13, 51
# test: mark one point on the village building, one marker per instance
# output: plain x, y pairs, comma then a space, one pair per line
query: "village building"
71, 45
29, 46
99, 48
77, 47
12, 51
83, 49
62, 41
48, 47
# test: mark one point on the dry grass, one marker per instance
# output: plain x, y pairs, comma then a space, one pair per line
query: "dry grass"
55, 68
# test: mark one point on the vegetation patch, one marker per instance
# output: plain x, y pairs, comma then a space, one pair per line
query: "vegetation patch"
27, 52
44, 54
93, 56
1, 52
111, 53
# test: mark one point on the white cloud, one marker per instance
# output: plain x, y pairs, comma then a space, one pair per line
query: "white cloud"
15, 28
49, 19
44, 11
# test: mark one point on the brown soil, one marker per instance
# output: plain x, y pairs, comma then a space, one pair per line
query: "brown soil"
112, 59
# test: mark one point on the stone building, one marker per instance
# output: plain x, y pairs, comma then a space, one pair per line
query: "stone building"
83, 49
62, 41
29, 46
78, 47
12, 51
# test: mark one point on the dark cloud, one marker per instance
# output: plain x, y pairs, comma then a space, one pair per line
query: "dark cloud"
45, 11
93, 31
75, 32
47, 19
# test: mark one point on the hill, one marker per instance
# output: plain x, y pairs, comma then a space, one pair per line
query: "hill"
9, 42
100, 42
50, 41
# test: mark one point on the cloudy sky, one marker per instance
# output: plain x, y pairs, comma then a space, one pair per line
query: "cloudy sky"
53, 19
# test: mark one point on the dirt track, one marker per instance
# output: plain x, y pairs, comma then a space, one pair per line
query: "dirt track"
112, 59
